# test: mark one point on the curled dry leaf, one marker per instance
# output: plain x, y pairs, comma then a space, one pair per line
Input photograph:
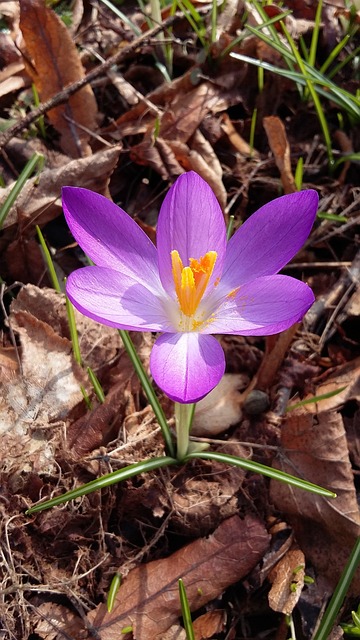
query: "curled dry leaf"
315, 449
39, 200
280, 147
56, 64
287, 578
148, 600
54, 617
99, 344
346, 375
209, 625
43, 393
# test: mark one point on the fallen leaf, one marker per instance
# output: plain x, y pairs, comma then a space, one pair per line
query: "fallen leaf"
56, 64
315, 448
148, 600
56, 620
39, 200
99, 344
287, 578
346, 375
236, 139
280, 147
209, 624
33, 400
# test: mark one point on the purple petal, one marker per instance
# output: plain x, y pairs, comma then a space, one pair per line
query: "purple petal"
269, 238
186, 366
265, 306
191, 222
109, 236
116, 299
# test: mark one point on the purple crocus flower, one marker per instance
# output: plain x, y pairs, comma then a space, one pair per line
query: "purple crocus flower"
193, 283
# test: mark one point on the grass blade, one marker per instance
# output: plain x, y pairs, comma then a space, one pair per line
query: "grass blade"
186, 613
105, 481
36, 160
256, 467
327, 623
49, 263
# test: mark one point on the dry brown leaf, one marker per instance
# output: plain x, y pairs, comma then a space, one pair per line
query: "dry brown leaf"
98, 344
191, 160
55, 617
186, 112
42, 394
203, 147
56, 64
148, 600
209, 625
346, 375
315, 449
280, 147
287, 578
12, 78
39, 202
235, 138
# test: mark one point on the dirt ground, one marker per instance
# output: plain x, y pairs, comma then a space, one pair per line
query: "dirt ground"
131, 105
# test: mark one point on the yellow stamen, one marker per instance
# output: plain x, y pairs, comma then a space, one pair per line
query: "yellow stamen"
191, 282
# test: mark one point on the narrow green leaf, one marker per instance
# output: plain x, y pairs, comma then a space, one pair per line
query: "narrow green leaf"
96, 385
113, 591
330, 615
252, 131
49, 262
105, 481
256, 467
186, 613
299, 172
36, 160
314, 399
314, 95
73, 331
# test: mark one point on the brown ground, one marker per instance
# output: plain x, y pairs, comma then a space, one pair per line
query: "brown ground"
241, 543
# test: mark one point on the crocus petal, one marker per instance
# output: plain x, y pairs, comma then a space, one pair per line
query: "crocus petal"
187, 365
191, 222
116, 299
269, 238
109, 236
265, 306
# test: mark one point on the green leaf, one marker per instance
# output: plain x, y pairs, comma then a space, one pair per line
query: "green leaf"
105, 481
256, 467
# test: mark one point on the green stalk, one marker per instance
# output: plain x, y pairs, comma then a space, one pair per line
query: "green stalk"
36, 160
48, 259
148, 390
105, 481
314, 96
213, 20
96, 385
73, 331
184, 414
257, 467
186, 613
339, 594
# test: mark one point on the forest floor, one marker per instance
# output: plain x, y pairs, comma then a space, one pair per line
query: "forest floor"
259, 558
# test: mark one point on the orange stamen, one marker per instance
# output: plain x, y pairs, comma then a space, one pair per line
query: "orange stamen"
191, 282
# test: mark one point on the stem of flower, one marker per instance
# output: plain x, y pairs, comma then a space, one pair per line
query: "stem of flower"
184, 414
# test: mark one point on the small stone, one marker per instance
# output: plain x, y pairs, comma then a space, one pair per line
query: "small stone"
256, 402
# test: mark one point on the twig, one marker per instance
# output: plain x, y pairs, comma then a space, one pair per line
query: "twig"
63, 95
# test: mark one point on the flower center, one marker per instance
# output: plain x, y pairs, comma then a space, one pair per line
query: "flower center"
191, 282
